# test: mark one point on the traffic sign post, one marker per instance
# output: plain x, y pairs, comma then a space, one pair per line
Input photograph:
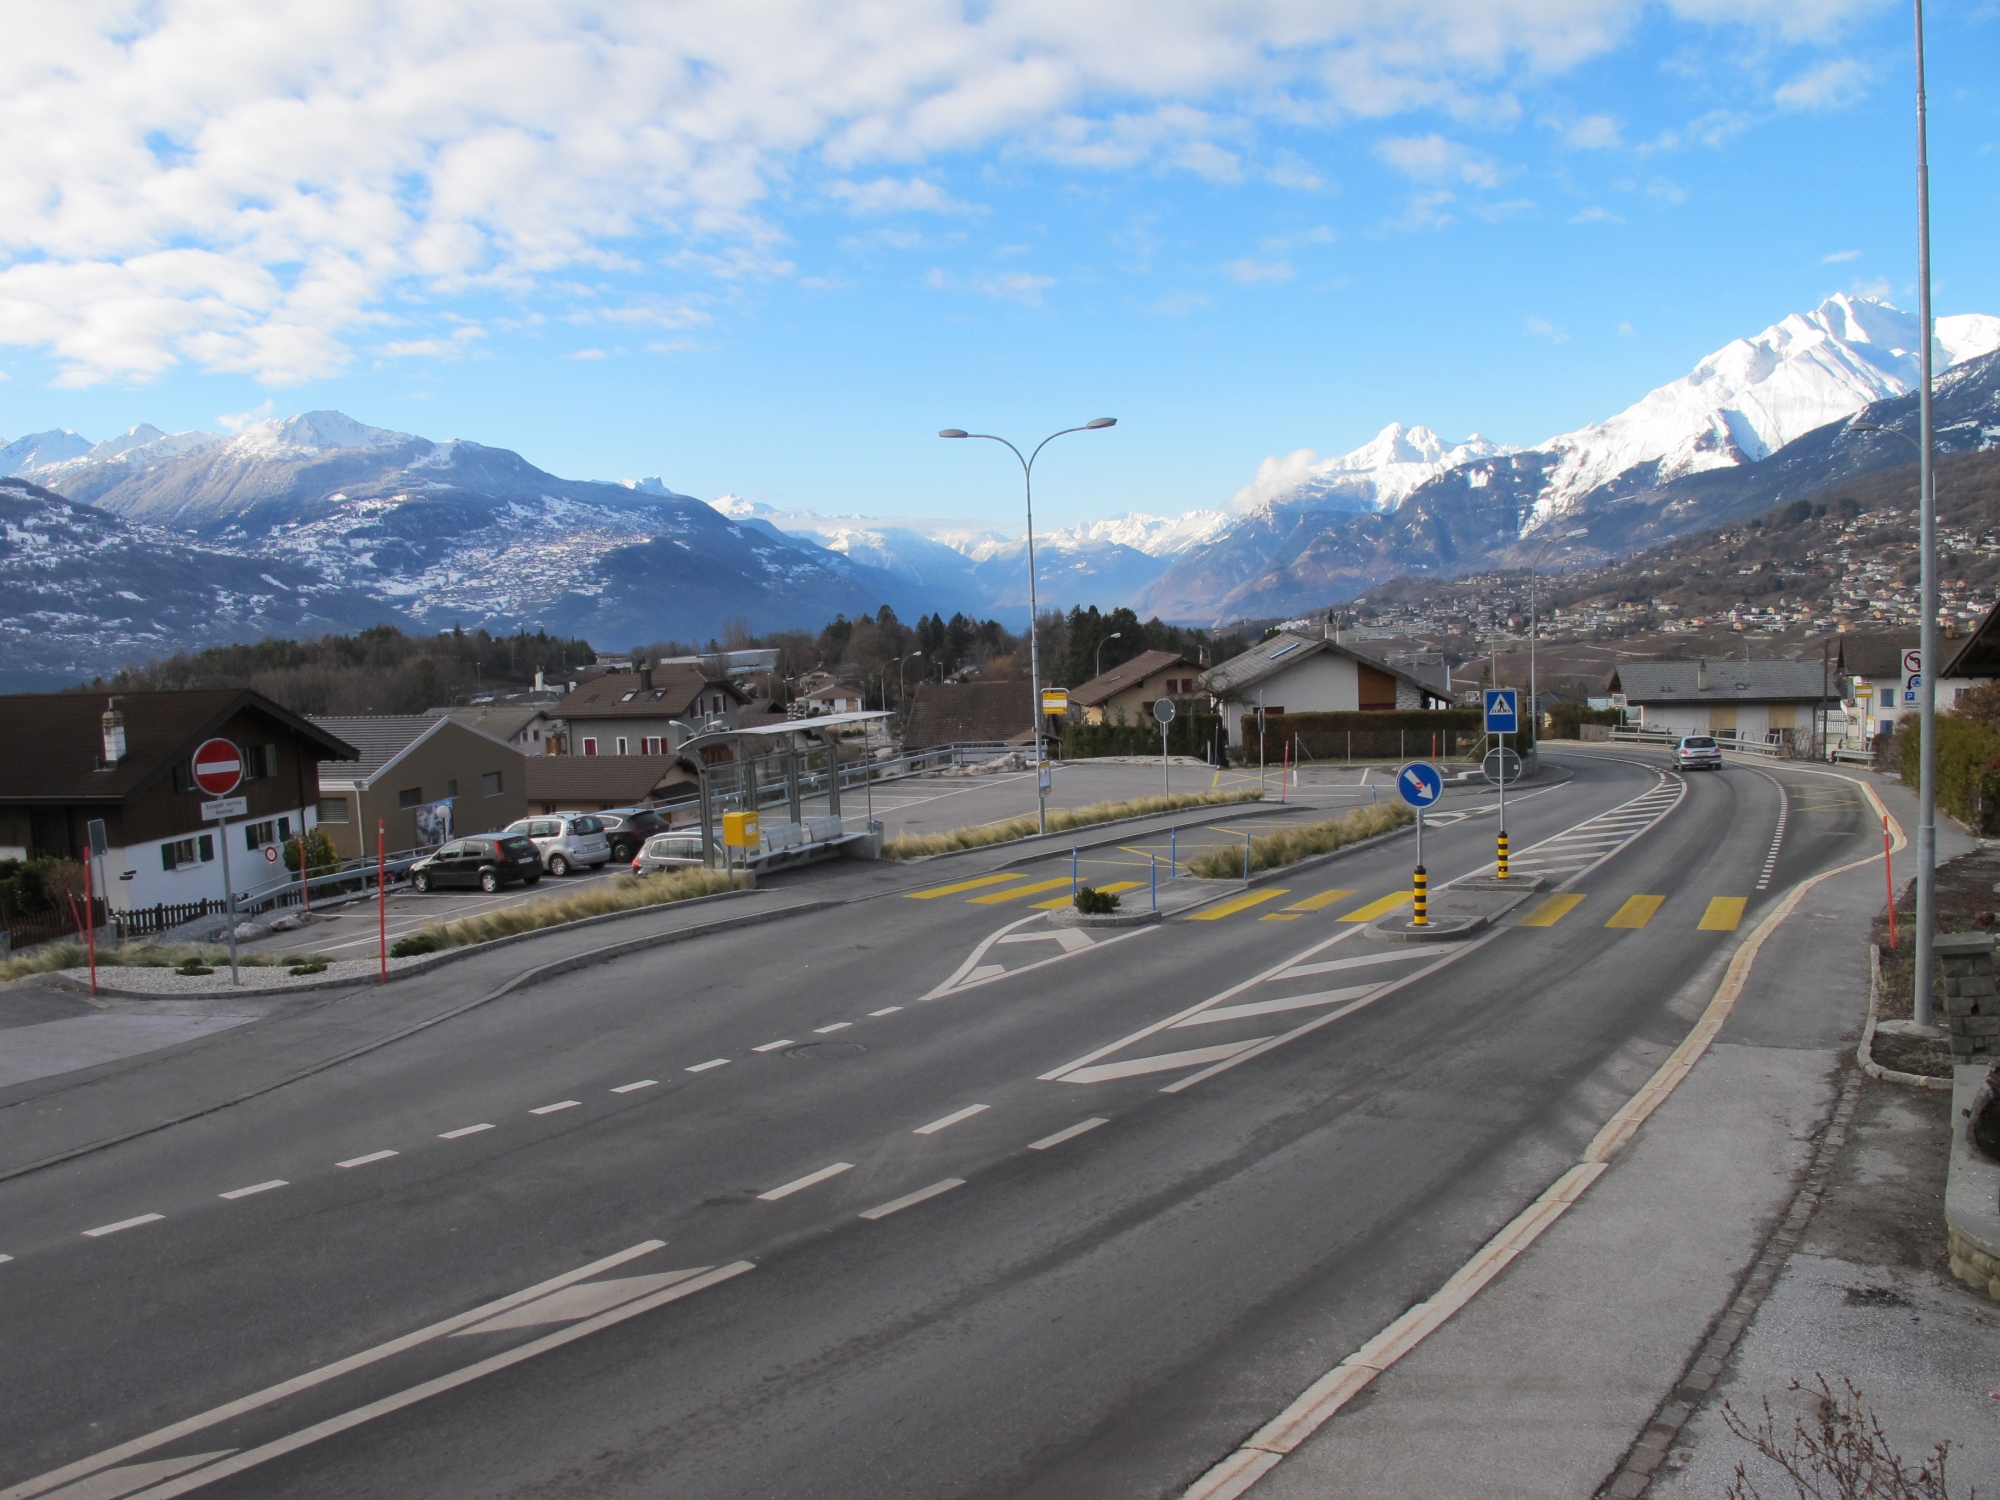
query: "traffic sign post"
1503, 717
217, 767
1420, 785
1163, 710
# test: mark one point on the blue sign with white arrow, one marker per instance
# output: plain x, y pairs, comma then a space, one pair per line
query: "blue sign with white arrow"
1419, 784
1503, 714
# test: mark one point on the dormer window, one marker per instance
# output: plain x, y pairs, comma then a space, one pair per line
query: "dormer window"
629, 696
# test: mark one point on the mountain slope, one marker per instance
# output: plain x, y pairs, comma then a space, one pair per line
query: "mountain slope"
83, 592
457, 532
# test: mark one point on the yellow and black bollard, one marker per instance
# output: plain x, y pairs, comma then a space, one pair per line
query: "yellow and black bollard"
1420, 916
1501, 873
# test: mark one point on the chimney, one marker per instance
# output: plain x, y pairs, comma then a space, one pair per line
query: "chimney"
1701, 676
645, 673
114, 733
540, 685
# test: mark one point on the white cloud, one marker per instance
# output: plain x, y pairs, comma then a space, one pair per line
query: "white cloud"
1432, 158
1626, 331
250, 188
585, 354
1838, 256
1542, 328
1595, 215
236, 421
458, 346
1180, 304
1014, 286
1831, 85
1594, 133
1251, 271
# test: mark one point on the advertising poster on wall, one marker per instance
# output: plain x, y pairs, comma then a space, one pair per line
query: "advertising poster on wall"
433, 823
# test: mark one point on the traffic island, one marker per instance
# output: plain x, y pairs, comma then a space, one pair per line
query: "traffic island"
1458, 910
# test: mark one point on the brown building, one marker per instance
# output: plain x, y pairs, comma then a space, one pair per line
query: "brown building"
424, 779
580, 783
969, 713
123, 758
1131, 688
649, 711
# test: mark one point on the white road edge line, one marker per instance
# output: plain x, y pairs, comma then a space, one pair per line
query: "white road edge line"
362, 1161
1067, 1135
258, 1187
633, 1088
810, 1179
897, 1205
549, 1109
713, 1062
237, 1463
103, 1229
951, 1119
56, 1478
1268, 1446
887, 1010
836, 1026
452, 1135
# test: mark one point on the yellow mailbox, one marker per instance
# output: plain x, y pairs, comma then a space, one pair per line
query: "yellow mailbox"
739, 830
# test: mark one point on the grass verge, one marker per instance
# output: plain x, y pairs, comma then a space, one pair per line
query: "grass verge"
623, 893
46, 958
1287, 846
1061, 820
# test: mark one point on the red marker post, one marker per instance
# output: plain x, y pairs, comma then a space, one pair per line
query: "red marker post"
382, 900
1889, 878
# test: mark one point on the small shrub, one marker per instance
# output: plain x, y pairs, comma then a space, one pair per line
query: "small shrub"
310, 966
1095, 903
192, 967
1287, 846
427, 941
1840, 1454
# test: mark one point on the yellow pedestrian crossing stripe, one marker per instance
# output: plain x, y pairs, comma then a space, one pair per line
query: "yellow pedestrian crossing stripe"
1636, 912
1314, 903
1380, 908
1113, 889
1723, 913
1235, 904
1551, 911
964, 885
1014, 893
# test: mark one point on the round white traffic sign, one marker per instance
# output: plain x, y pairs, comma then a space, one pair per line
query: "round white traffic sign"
218, 767
270, 854
1163, 710
1501, 765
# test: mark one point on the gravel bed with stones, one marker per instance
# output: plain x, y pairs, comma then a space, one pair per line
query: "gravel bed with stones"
162, 981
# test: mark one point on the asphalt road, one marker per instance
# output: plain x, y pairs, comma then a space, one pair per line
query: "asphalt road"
917, 1198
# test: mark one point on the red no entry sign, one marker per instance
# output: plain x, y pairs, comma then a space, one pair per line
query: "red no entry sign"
218, 767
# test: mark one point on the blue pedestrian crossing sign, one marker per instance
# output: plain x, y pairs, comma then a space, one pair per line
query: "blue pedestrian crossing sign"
1503, 711
1419, 784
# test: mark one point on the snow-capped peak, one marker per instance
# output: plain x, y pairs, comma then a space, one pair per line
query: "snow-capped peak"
1375, 476
312, 432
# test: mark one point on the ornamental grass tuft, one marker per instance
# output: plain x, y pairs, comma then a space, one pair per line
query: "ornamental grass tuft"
1061, 820
1287, 846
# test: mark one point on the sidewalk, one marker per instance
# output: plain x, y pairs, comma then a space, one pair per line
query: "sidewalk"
1545, 1382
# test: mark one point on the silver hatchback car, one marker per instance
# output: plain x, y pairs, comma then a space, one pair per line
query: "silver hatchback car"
567, 841
672, 851
1698, 752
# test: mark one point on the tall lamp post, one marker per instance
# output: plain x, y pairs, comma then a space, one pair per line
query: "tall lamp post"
1534, 702
1116, 635
1034, 607
902, 704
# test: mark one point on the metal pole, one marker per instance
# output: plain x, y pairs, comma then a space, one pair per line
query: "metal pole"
1173, 853
1153, 869
228, 895
1072, 872
382, 898
90, 920
1166, 766
1928, 589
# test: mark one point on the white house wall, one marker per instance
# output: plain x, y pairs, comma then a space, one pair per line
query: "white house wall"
1323, 683
249, 871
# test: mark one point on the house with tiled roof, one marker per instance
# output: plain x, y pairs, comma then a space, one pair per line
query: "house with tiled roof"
422, 779
1291, 673
1127, 692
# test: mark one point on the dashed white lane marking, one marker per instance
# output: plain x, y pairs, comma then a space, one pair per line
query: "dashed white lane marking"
452, 1135
713, 1062
633, 1088
103, 1229
362, 1161
1067, 1135
897, 1205
1777, 836
783, 1041
805, 1182
549, 1109
887, 1010
4, 1259
836, 1026
256, 1187
951, 1119
1164, 1062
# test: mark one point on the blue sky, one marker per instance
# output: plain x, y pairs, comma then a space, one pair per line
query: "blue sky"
770, 250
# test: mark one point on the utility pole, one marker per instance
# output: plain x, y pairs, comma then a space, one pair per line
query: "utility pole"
1928, 588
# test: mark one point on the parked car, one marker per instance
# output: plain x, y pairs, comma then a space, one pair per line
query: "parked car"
566, 841
628, 828
672, 851
488, 862
1697, 752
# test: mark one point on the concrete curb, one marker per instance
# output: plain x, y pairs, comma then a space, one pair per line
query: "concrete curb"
1865, 1052
423, 965
1070, 917
1972, 1189
523, 980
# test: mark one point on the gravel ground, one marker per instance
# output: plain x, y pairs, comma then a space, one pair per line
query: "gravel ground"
150, 981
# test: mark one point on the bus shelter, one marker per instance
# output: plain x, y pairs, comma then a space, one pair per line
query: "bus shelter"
791, 775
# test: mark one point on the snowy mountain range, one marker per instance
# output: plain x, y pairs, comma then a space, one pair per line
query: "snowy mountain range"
455, 532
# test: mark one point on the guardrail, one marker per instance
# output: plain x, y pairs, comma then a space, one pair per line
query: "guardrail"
1666, 738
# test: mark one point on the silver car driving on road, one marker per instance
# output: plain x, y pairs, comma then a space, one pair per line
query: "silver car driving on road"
1698, 752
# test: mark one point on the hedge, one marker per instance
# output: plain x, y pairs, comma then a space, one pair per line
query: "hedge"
1389, 734
1968, 767
1189, 734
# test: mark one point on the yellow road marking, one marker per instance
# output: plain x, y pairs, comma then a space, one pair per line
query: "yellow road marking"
1280, 916
964, 885
1113, 889
1235, 904
1314, 903
1636, 912
1723, 914
1551, 911
1380, 908
1016, 892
